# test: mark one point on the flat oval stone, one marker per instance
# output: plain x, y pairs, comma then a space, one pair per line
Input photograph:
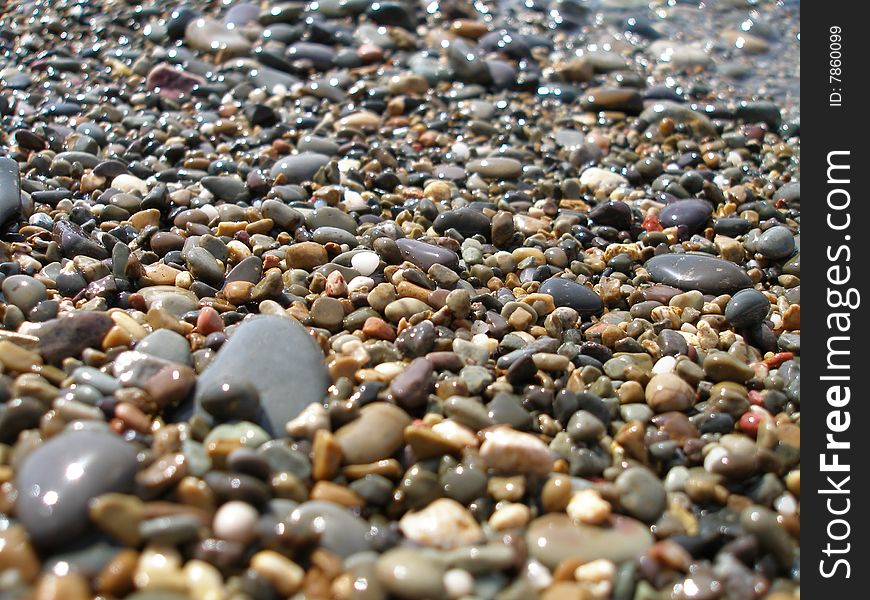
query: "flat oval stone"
747, 308
174, 300
554, 537
166, 344
301, 167
280, 359
70, 334
775, 243
208, 35
59, 478
707, 274
425, 255
691, 215
338, 530
375, 435
496, 167
573, 295
411, 573
23, 291
466, 221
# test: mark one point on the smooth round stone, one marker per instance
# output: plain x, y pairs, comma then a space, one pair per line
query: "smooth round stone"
174, 300
466, 221
227, 188
573, 295
338, 530
570, 138
747, 308
299, 168
320, 145
241, 13
327, 312
554, 538
59, 478
231, 400
425, 255
679, 55
496, 168
208, 35
668, 392
411, 574
365, 262
167, 344
691, 215
707, 274
235, 521
275, 354
376, 434
601, 180
776, 243
329, 216
680, 114
612, 213
641, 494
23, 291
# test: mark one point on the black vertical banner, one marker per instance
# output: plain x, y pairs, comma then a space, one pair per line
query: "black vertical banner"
834, 157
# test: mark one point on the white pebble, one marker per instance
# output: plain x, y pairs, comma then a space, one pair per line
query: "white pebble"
458, 583
785, 504
235, 521
359, 283
538, 574
676, 479
664, 365
587, 506
130, 184
365, 262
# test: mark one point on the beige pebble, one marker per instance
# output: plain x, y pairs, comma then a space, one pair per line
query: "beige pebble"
284, 574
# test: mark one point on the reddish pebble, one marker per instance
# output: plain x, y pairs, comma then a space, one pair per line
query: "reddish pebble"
369, 53
377, 328
651, 223
749, 423
209, 321
777, 359
755, 398
137, 302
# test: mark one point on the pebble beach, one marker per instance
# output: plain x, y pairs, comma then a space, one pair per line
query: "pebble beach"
396, 300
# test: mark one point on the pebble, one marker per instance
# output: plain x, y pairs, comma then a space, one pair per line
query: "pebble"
776, 243
667, 392
363, 300
375, 435
59, 478
510, 451
259, 353
443, 524
705, 274
411, 574
554, 538
747, 308
573, 295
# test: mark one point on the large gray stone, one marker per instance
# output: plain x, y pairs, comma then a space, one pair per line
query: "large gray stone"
59, 478
280, 359
707, 274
